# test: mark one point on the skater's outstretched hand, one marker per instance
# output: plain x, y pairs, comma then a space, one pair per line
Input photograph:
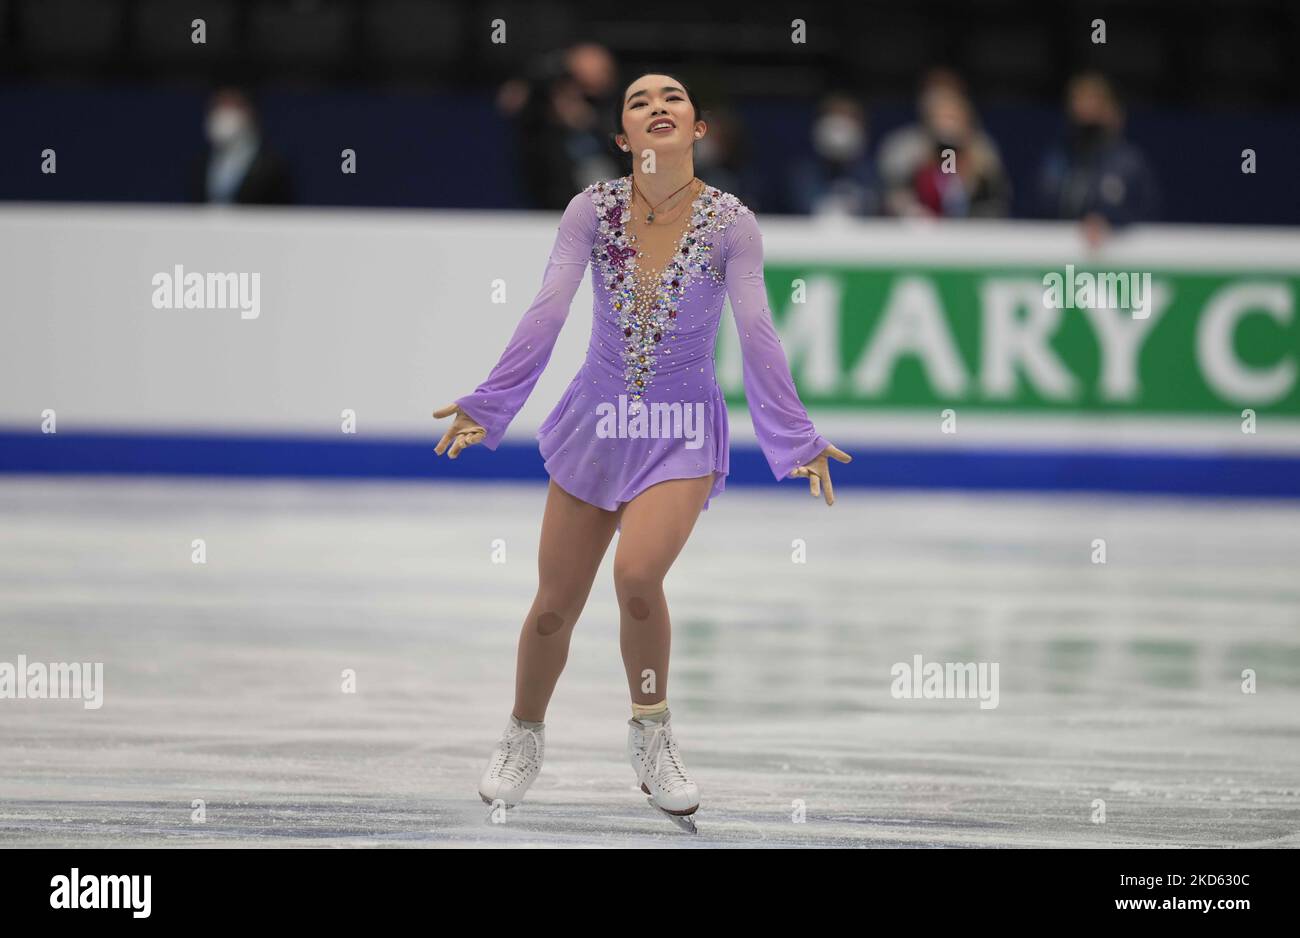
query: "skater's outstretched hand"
463, 432
818, 472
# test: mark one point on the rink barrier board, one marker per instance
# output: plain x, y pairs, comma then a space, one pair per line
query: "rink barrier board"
387, 315
1044, 470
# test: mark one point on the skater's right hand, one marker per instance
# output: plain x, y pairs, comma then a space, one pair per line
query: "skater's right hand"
464, 431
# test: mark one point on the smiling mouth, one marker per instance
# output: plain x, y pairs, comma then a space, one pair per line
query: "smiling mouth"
662, 125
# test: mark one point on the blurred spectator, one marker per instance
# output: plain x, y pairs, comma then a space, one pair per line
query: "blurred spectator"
557, 111
720, 156
239, 168
1094, 174
840, 179
945, 165
904, 149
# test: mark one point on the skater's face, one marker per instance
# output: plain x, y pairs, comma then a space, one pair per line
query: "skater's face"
658, 115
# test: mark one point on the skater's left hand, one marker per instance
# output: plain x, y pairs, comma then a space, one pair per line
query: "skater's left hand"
818, 472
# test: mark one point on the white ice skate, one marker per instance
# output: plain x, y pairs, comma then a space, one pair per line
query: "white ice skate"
514, 764
653, 753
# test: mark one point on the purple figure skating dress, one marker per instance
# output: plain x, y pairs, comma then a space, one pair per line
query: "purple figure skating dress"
645, 405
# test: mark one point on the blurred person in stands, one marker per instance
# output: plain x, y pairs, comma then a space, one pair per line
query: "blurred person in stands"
903, 150
945, 165
1094, 175
720, 157
840, 179
239, 168
557, 110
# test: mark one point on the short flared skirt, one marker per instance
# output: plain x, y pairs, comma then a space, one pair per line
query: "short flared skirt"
610, 471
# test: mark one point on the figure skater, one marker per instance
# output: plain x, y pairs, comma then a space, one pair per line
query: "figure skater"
639, 441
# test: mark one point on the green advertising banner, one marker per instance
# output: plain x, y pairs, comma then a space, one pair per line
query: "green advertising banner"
861, 336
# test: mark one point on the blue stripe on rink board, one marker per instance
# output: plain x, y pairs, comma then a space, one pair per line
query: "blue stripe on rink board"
1185, 473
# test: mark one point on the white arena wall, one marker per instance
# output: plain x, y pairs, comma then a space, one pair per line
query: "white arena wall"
390, 314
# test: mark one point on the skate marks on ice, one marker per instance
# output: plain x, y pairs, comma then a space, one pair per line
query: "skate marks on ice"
1119, 683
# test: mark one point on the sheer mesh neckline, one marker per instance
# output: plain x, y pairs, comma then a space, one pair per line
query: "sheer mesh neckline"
654, 277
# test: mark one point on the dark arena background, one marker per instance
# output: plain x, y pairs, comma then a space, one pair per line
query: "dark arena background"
294, 625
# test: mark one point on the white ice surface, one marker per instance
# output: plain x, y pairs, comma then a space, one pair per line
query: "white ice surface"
1119, 682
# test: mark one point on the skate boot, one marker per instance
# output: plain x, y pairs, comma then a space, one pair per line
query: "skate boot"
514, 764
653, 753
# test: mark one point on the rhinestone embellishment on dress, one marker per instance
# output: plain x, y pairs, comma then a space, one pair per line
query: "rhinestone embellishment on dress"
646, 313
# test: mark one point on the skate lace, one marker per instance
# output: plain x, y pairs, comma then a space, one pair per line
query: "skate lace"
512, 762
663, 760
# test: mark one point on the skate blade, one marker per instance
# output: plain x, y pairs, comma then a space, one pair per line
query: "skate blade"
492, 804
684, 821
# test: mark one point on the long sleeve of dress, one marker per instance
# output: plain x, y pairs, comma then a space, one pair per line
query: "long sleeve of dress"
495, 402
785, 434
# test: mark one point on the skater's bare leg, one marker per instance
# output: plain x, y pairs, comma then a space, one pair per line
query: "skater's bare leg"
655, 527
575, 536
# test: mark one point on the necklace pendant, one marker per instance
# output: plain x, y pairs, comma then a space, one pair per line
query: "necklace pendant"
651, 217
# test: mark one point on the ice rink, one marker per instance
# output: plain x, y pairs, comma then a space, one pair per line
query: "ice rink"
1120, 683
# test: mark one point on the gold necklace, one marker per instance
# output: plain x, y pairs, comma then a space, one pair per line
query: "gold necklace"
650, 217
669, 218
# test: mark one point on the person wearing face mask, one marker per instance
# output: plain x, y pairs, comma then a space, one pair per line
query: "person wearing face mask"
839, 179
1094, 175
239, 169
